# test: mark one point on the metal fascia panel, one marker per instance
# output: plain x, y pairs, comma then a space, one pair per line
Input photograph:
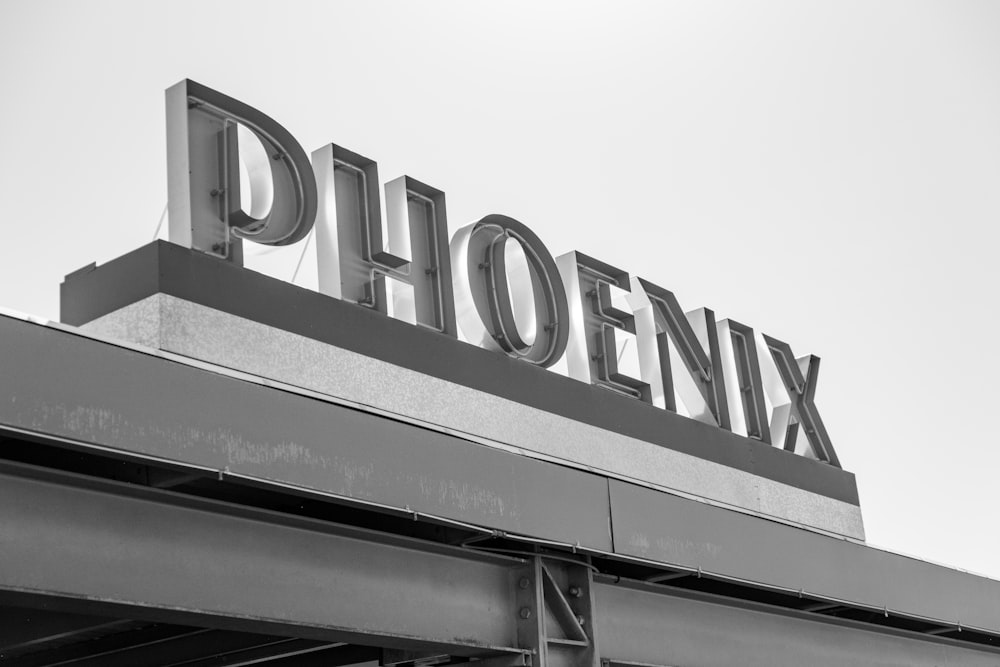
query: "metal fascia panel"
712, 540
73, 387
653, 628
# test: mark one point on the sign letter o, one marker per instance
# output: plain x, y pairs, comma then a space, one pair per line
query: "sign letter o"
484, 301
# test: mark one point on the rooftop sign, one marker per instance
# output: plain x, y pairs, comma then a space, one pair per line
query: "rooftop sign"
494, 285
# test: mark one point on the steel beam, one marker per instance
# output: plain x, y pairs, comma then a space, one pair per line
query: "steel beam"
66, 386
156, 555
695, 536
638, 624
207, 563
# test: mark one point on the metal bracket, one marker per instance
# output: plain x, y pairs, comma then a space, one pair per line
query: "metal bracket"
555, 612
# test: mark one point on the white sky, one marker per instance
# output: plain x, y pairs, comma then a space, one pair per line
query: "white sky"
828, 173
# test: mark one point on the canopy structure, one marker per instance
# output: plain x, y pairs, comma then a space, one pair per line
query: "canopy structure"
205, 466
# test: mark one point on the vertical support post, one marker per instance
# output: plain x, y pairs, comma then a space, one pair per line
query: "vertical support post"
556, 613
530, 610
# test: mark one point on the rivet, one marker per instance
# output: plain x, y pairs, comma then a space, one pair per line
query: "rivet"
525, 613
524, 583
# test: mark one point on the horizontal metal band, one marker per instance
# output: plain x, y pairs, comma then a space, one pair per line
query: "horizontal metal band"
695, 630
663, 528
65, 385
141, 550
155, 555
74, 387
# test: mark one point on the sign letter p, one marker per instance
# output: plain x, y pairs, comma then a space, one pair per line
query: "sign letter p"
208, 211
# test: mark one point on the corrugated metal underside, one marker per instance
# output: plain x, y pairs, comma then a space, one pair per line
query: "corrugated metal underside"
229, 517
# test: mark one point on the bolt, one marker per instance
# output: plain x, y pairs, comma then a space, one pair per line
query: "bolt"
217, 191
525, 613
524, 583
581, 620
575, 591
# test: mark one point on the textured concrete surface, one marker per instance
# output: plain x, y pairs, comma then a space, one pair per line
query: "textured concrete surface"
187, 329
138, 324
